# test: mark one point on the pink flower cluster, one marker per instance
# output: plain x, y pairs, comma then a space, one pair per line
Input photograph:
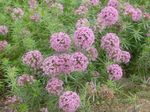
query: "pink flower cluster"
11, 100
115, 72
92, 53
17, 13
84, 37
82, 10
32, 4
108, 16
51, 66
115, 54
3, 45
125, 56
135, 13
111, 44
60, 42
109, 41
83, 22
25, 79
65, 63
55, 86
3, 30
54, 65
35, 17
94, 2
69, 101
113, 3
79, 61
33, 59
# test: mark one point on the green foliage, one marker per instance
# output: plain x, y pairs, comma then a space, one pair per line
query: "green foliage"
25, 35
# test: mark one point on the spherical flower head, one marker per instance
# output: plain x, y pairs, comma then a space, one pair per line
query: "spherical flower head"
3, 45
92, 53
33, 59
35, 17
82, 10
65, 63
129, 9
94, 2
115, 72
11, 100
114, 54
32, 4
69, 101
60, 42
83, 22
113, 3
17, 13
108, 16
25, 79
109, 41
54, 86
3, 30
137, 15
125, 56
84, 37
51, 66
79, 61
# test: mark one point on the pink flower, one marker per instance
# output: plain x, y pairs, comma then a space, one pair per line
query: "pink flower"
125, 56
129, 9
79, 61
3, 30
65, 63
33, 59
69, 101
3, 45
84, 37
137, 15
83, 22
115, 72
17, 13
94, 2
82, 10
113, 3
60, 42
35, 17
51, 66
11, 100
55, 86
32, 4
115, 54
92, 53
109, 41
25, 79
108, 16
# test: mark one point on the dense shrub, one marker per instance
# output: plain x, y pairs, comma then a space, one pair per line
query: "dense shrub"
69, 55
